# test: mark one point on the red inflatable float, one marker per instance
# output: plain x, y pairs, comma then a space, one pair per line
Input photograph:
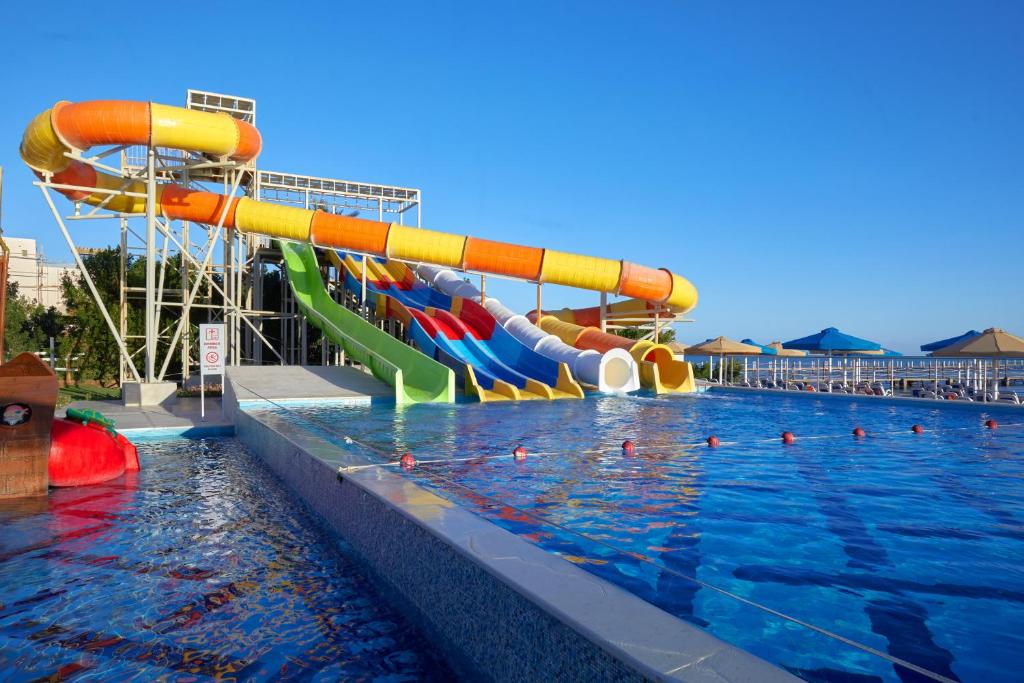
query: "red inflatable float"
85, 450
38, 450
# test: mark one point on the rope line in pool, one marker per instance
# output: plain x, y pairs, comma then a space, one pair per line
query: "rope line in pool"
393, 460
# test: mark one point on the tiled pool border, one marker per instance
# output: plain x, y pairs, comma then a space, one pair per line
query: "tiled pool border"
499, 607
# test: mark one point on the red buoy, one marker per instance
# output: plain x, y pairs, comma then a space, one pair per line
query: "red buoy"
628, 447
991, 424
858, 432
787, 437
713, 441
917, 429
407, 461
519, 453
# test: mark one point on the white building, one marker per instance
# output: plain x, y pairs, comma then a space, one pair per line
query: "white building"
37, 279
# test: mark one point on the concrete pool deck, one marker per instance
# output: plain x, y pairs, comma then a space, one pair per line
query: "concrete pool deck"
250, 387
175, 417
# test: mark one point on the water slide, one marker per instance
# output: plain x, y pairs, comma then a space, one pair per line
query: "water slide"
415, 377
613, 371
54, 143
450, 329
633, 309
659, 369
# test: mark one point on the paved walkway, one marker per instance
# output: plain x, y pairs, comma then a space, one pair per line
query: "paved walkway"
244, 384
178, 415
304, 383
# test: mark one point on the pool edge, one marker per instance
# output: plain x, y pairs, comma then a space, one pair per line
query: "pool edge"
500, 607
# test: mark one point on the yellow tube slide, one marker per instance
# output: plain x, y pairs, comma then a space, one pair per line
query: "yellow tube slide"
660, 370
55, 136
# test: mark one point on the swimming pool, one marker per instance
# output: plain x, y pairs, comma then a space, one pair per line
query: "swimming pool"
903, 547
199, 567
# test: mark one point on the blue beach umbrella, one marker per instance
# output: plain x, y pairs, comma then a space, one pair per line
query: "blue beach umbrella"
943, 343
830, 340
767, 350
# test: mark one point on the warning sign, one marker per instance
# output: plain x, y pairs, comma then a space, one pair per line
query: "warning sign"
211, 349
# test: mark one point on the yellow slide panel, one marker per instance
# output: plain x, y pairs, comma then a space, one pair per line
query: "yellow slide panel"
378, 272
661, 370
41, 149
283, 222
567, 332
427, 246
684, 294
200, 131
122, 202
576, 270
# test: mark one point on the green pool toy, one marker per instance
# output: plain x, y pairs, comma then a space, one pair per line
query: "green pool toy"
86, 416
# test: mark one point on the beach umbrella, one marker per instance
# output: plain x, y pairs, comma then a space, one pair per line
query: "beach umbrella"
993, 343
781, 352
676, 348
765, 351
830, 341
721, 346
943, 343
880, 353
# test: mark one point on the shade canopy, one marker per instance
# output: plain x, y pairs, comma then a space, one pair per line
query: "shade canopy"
780, 351
831, 340
676, 348
720, 346
880, 353
767, 350
992, 342
943, 343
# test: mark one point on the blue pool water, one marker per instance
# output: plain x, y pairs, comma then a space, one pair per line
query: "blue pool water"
910, 546
200, 567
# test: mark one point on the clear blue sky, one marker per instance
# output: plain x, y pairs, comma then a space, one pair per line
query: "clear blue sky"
804, 164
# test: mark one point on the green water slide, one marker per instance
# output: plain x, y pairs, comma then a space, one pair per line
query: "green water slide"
415, 377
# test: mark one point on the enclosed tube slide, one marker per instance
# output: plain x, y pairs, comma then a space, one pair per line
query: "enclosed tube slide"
56, 135
629, 309
660, 370
614, 371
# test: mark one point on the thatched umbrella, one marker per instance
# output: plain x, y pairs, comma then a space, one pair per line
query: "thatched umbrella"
781, 352
721, 346
993, 343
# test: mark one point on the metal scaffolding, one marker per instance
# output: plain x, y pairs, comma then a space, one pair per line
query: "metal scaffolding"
207, 272
195, 273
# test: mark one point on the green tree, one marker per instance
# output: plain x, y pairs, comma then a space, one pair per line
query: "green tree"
22, 324
88, 339
665, 335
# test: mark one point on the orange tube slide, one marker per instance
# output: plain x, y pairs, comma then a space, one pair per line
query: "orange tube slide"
56, 137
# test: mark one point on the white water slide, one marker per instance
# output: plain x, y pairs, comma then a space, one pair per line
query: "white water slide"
613, 371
